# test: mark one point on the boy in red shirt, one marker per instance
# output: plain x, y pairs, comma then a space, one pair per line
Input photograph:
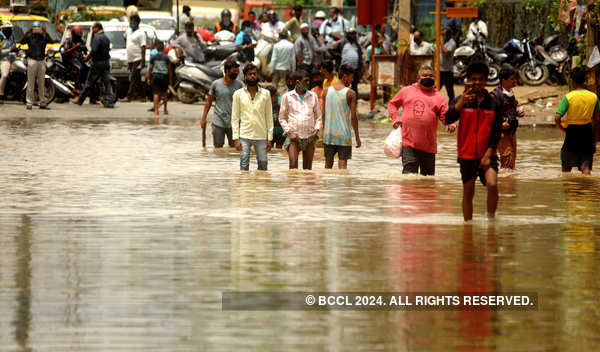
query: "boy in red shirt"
422, 106
479, 131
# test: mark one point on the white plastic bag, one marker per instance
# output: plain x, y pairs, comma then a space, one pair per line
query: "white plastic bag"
594, 58
393, 144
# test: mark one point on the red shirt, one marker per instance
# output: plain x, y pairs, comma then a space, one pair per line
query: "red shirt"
420, 113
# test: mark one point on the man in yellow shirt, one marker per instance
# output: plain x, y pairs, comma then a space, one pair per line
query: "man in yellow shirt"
577, 115
327, 72
252, 120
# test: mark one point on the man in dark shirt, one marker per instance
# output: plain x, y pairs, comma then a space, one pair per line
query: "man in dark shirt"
100, 69
36, 39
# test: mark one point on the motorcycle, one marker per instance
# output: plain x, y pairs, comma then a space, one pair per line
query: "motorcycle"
67, 81
16, 86
556, 57
523, 55
477, 51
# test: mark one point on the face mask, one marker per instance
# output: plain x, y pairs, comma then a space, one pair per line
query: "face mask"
252, 83
279, 100
132, 26
232, 75
427, 82
302, 87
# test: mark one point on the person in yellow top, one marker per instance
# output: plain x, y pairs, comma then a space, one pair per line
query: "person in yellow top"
293, 24
329, 78
252, 120
578, 115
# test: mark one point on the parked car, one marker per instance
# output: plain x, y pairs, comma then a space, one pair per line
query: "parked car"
115, 31
164, 24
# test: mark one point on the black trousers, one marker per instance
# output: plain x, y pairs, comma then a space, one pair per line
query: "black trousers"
98, 71
447, 80
135, 81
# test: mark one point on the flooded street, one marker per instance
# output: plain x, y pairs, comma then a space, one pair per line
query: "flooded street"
123, 236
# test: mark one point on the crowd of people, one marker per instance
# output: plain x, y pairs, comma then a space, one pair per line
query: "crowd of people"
315, 71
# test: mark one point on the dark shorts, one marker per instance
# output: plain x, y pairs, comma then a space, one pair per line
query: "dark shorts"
570, 160
159, 84
303, 143
219, 134
344, 152
469, 169
414, 160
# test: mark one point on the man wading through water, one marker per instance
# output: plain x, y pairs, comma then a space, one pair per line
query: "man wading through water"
339, 120
479, 131
300, 117
252, 120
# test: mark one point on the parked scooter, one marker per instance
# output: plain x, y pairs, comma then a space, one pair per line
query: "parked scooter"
472, 52
193, 80
556, 58
16, 86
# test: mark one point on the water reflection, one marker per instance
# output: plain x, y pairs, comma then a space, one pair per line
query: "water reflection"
123, 236
23, 283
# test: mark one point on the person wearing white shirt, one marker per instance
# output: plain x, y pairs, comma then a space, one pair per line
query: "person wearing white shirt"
283, 62
272, 28
419, 47
335, 26
136, 56
477, 31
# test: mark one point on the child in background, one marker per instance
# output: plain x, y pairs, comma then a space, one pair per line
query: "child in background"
159, 76
507, 146
278, 137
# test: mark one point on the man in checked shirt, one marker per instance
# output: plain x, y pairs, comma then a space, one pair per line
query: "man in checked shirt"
300, 117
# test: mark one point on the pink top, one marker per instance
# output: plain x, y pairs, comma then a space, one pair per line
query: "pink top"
420, 112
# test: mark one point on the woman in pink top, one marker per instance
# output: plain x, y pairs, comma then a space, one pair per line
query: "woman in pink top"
422, 106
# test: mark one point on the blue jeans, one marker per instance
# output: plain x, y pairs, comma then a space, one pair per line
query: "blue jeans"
260, 148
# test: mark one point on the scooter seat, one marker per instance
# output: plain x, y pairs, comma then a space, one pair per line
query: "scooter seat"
214, 72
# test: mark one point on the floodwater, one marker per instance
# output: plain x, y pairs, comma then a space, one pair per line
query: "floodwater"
123, 236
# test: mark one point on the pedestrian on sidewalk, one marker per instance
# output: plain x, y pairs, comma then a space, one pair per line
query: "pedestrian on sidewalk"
293, 24
479, 131
422, 106
221, 92
578, 115
136, 58
6, 45
300, 117
159, 77
100, 68
447, 63
507, 146
339, 118
352, 56
305, 46
36, 38
252, 120
283, 61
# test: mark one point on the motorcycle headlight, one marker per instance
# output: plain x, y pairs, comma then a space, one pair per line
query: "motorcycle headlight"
558, 55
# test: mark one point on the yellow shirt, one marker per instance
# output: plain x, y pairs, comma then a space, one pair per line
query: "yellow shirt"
579, 105
252, 118
327, 83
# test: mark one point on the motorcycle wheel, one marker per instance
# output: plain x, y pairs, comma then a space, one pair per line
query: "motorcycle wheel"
494, 76
533, 76
186, 97
50, 91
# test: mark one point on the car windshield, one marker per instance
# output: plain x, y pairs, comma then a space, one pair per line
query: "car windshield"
117, 39
160, 23
20, 27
